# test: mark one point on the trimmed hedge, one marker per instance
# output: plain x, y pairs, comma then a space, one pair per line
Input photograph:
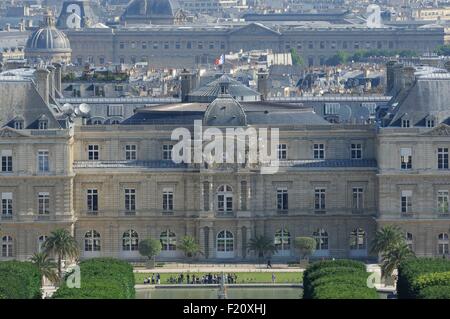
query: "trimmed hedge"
435, 292
101, 278
19, 280
337, 279
417, 276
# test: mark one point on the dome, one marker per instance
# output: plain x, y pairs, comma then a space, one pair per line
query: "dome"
150, 11
225, 111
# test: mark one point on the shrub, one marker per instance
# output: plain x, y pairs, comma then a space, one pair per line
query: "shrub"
410, 270
19, 280
435, 292
344, 291
104, 278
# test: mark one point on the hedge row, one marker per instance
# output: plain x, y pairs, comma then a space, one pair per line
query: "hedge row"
19, 280
337, 279
101, 278
421, 277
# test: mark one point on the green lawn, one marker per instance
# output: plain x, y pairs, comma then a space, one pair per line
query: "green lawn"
242, 277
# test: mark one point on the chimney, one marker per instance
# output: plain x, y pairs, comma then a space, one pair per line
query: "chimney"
390, 76
51, 80
397, 78
408, 77
8, 27
186, 84
58, 77
262, 84
42, 83
21, 27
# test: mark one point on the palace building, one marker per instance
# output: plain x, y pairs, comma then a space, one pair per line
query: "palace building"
115, 184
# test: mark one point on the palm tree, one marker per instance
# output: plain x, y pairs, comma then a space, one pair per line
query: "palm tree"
189, 246
262, 245
386, 237
393, 257
46, 266
61, 243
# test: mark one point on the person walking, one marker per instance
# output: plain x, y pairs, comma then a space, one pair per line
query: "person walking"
273, 278
269, 264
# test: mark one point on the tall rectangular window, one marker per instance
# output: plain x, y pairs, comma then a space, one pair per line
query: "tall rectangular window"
442, 201
130, 200
282, 199
131, 152
282, 151
93, 152
406, 202
43, 165
442, 158
357, 198
319, 151
7, 205
92, 200
7, 165
405, 158
244, 195
356, 150
319, 199
167, 199
167, 151
43, 203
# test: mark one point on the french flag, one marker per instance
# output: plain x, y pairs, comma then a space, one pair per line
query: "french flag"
220, 61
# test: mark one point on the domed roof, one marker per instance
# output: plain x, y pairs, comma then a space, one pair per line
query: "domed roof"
150, 8
225, 111
48, 38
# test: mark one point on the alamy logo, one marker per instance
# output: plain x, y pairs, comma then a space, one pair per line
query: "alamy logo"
237, 145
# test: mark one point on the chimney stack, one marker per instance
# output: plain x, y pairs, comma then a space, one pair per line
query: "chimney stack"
58, 77
42, 83
187, 84
51, 80
262, 84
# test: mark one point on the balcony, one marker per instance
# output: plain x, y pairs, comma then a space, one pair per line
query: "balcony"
224, 214
6, 217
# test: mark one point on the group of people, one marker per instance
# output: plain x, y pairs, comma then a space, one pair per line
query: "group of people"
193, 279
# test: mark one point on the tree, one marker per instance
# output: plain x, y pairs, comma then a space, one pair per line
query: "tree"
296, 58
262, 246
46, 266
443, 50
61, 243
306, 246
341, 57
385, 238
189, 246
150, 248
393, 257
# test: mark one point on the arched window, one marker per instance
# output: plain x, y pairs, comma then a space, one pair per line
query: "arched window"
282, 240
443, 244
168, 240
225, 241
92, 241
41, 241
358, 239
115, 122
225, 199
130, 240
409, 240
321, 237
7, 246
97, 122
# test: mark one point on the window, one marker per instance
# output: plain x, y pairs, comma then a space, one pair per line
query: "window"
41, 241
405, 158
130, 240
168, 240
321, 237
116, 110
356, 150
43, 203
442, 158
7, 165
130, 200
282, 151
92, 241
319, 151
131, 152
443, 244
43, 124
18, 124
167, 151
206, 186
358, 239
442, 201
225, 199
282, 240
92, 200
319, 199
409, 240
406, 202
122, 45
7, 205
282, 199
357, 198
244, 195
93, 152
43, 165
225, 241
331, 108
430, 123
167, 199
7, 246
405, 123
371, 106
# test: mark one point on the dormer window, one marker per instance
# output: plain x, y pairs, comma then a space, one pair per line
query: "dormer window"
18, 124
430, 122
43, 124
405, 123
